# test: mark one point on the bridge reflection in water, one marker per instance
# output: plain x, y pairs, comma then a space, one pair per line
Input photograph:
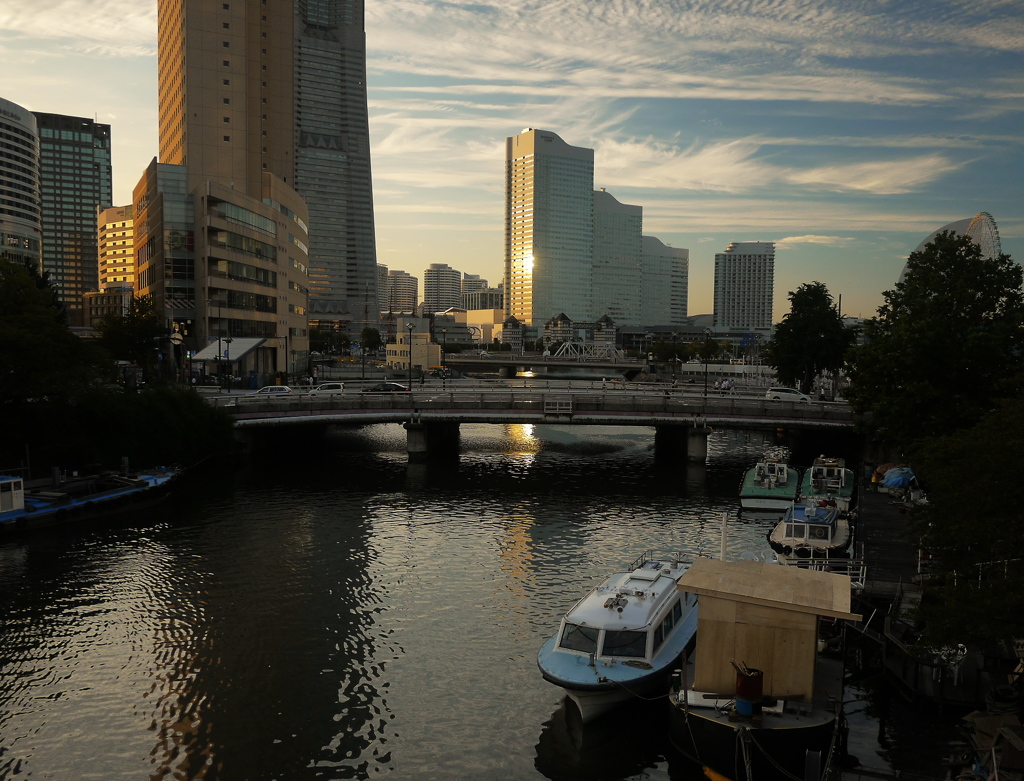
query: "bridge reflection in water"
431, 418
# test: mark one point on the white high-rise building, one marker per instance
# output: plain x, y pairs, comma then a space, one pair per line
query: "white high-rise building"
403, 291
549, 228
665, 290
744, 283
617, 264
442, 288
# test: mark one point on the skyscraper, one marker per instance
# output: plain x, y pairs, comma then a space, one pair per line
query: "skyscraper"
665, 283
549, 228
249, 87
744, 283
442, 288
20, 206
116, 247
75, 179
618, 272
403, 292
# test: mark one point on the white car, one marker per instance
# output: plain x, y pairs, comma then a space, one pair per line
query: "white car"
786, 394
328, 389
272, 390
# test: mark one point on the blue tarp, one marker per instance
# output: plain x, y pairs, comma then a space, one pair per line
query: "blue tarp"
900, 477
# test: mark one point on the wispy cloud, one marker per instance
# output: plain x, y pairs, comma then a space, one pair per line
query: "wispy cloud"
98, 27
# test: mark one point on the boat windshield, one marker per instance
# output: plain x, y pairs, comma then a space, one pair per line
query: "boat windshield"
579, 638
624, 643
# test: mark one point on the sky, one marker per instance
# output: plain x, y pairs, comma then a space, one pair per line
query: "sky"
845, 131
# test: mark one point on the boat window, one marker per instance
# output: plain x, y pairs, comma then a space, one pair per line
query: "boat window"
659, 636
677, 610
796, 531
579, 638
820, 533
624, 643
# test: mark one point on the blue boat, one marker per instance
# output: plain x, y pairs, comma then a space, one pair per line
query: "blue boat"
623, 639
28, 506
810, 531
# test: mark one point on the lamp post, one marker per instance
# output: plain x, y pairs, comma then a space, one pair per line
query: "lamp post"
444, 349
707, 355
409, 327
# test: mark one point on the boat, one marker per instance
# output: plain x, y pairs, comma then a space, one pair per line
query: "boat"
760, 698
810, 531
769, 485
624, 637
26, 506
828, 480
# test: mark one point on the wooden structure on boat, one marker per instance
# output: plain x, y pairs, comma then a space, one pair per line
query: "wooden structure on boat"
765, 616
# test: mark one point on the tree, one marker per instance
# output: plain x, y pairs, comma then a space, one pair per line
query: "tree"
133, 335
41, 357
370, 339
973, 532
945, 346
811, 338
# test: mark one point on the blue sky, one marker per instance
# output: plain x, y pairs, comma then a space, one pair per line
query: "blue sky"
844, 130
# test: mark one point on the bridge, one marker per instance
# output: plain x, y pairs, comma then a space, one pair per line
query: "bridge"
432, 417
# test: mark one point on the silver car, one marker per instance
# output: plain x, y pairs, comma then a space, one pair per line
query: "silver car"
786, 394
328, 389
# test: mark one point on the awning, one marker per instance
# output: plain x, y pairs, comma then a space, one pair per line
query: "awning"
227, 350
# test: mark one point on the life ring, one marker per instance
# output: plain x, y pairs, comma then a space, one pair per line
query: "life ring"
818, 533
803, 553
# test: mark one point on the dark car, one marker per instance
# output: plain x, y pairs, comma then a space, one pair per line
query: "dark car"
385, 387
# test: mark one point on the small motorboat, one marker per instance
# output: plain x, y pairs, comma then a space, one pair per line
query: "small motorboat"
760, 698
769, 485
829, 480
623, 639
810, 531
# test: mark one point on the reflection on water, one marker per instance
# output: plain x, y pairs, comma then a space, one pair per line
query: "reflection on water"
333, 611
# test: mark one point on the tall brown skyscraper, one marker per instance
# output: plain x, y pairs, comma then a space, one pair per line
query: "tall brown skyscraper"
249, 87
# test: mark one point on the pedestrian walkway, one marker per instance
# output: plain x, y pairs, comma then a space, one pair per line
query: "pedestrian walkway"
887, 543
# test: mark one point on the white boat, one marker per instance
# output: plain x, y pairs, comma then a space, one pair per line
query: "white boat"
623, 639
810, 531
769, 485
828, 480
760, 697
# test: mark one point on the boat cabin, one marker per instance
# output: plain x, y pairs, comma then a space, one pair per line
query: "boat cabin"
771, 472
631, 615
12, 493
810, 523
764, 616
828, 474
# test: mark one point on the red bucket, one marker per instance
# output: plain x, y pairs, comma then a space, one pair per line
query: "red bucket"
749, 690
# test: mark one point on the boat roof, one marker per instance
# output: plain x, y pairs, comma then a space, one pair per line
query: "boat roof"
641, 594
797, 513
792, 589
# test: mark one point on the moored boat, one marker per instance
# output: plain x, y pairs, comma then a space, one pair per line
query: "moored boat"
757, 700
26, 507
769, 485
623, 639
810, 532
829, 480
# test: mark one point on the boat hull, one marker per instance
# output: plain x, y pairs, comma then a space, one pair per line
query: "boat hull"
728, 746
765, 503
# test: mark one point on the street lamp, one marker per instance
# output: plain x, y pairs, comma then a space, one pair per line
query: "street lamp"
410, 326
707, 355
444, 349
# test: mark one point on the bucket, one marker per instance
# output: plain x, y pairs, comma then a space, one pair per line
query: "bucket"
749, 688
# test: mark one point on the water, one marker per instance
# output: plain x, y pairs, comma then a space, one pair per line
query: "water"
332, 612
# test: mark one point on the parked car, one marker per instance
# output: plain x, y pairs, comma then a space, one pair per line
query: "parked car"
786, 394
385, 387
328, 389
269, 391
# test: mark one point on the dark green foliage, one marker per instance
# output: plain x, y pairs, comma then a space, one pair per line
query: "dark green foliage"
810, 339
133, 336
41, 358
371, 341
945, 346
972, 526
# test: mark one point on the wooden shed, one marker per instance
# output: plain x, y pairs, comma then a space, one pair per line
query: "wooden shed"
764, 616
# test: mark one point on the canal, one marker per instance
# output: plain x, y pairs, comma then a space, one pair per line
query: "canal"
331, 611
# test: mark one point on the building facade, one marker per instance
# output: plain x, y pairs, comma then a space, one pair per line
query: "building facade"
549, 228
744, 284
75, 179
618, 259
442, 288
249, 88
116, 246
21, 230
487, 298
403, 292
665, 289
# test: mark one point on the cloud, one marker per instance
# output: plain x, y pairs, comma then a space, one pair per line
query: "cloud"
118, 28
792, 241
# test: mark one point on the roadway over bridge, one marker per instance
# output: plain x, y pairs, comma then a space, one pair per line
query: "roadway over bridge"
679, 419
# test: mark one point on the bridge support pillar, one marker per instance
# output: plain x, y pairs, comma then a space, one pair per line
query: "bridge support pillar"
697, 444
670, 441
423, 439
506, 372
